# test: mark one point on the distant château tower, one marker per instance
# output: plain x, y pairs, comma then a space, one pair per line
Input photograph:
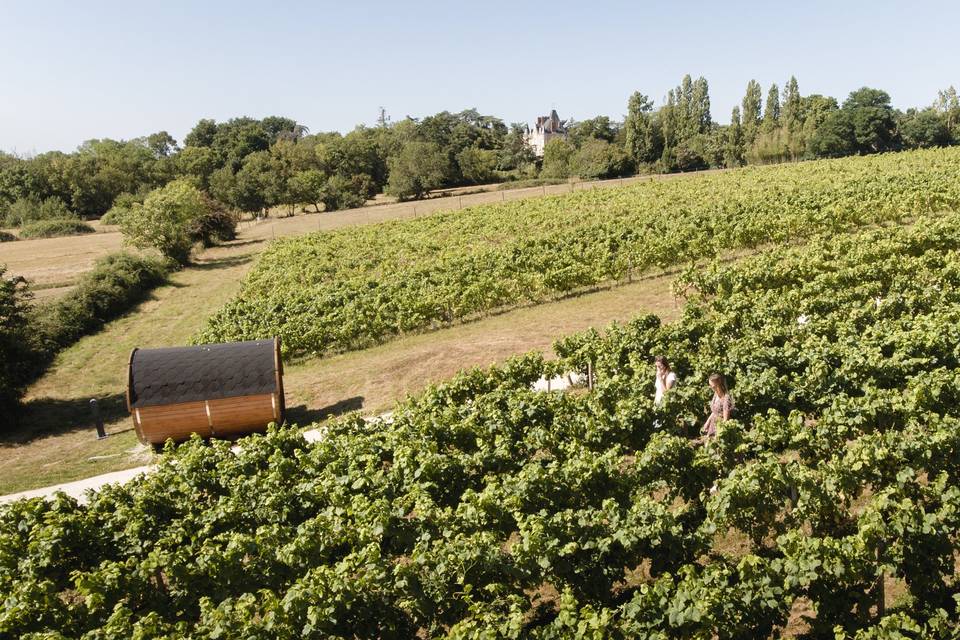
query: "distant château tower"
546, 128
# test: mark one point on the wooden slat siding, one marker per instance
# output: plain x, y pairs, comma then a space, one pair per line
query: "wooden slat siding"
176, 421
242, 414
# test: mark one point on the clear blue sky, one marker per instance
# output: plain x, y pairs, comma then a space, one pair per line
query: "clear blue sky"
70, 71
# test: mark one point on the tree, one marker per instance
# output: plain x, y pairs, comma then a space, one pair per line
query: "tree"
162, 144
641, 143
202, 134
258, 184
733, 150
477, 165
873, 121
751, 111
418, 168
598, 128
835, 136
771, 110
165, 220
345, 193
598, 159
309, 187
516, 153
792, 107
948, 104
18, 359
557, 157
924, 129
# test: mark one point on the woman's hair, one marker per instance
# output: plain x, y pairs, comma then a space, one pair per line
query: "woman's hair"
662, 361
720, 381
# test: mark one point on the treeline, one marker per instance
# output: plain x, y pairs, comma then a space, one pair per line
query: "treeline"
255, 165
781, 126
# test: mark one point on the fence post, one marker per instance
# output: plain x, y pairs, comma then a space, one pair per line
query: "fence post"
461, 201
97, 418
544, 189
503, 196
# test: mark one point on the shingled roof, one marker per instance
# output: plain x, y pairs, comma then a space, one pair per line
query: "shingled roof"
205, 372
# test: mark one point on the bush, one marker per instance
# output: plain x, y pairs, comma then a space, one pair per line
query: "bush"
18, 360
25, 210
166, 219
7, 237
217, 224
121, 205
117, 282
598, 159
55, 228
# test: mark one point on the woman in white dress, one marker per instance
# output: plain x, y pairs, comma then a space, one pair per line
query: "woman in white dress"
665, 379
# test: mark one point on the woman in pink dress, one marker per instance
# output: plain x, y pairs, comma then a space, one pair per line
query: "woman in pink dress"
721, 405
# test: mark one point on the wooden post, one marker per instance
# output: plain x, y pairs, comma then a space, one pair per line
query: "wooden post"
97, 418
460, 198
544, 189
503, 196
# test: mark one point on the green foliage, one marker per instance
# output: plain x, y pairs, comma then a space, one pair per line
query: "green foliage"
484, 509
166, 220
418, 168
30, 209
924, 129
121, 206
557, 159
598, 159
17, 356
217, 223
477, 165
116, 283
354, 287
54, 228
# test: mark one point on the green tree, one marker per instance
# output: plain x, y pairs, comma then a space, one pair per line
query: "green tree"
733, 149
557, 159
165, 220
641, 142
309, 187
924, 129
751, 111
873, 120
792, 107
771, 110
417, 169
516, 153
598, 159
18, 359
477, 165
948, 104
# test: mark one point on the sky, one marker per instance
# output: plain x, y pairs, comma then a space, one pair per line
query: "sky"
72, 71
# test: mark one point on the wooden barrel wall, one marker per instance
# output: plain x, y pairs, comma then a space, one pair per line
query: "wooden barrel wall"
222, 390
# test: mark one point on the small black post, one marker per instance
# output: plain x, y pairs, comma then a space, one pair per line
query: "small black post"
97, 418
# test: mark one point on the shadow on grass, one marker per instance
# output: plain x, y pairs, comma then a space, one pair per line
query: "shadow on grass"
221, 263
42, 417
302, 415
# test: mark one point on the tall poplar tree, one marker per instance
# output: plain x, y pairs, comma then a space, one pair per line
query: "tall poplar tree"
638, 129
771, 110
751, 111
733, 148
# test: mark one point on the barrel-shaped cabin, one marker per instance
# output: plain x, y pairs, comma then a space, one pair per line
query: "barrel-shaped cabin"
214, 390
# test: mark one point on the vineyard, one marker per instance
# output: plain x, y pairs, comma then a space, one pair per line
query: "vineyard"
351, 288
829, 505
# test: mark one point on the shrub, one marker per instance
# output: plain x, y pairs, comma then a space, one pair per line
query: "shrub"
117, 282
165, 220
7, 237
121, 205
25, 210
217, 224
18, 360
55, 228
